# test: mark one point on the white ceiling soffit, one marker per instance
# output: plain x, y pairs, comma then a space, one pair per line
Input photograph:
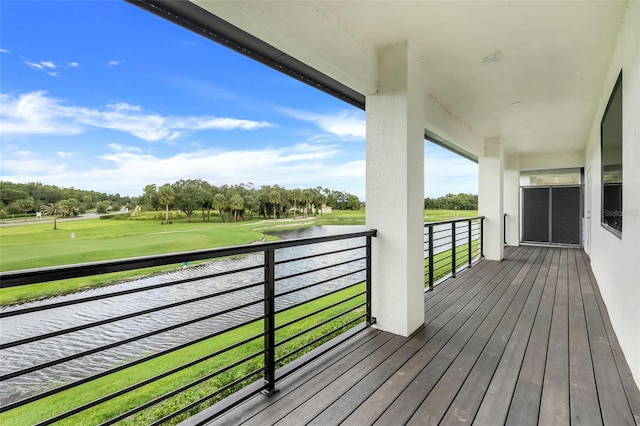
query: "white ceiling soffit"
529, 72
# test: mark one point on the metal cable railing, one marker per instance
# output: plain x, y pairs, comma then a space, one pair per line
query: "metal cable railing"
450, 246
235, 325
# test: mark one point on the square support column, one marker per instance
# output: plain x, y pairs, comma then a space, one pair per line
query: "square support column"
491, 198
512, 199
395, 190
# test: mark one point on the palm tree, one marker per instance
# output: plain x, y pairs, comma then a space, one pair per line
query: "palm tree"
236, 203
307, 196
275, 198
69, 205
296, 196
220, 203
166, 196
25, 205
319, 199
53, 209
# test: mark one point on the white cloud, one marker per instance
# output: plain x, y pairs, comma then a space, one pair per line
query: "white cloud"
346, 124
66, 154
114, 63
48, 66
30, 169
121, 148
123, 106
5, 51
36, 113
445, 172
127, 169
40, 66
34, 65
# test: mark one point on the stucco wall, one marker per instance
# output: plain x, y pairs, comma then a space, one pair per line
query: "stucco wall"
615, 261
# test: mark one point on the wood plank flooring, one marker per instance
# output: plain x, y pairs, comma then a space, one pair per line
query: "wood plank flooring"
524, 341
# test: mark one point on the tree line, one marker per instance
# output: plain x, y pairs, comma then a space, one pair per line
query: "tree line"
235, 202
25, 198
232, 202
452, 202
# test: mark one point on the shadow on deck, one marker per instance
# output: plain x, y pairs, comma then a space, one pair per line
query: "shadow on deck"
524, 341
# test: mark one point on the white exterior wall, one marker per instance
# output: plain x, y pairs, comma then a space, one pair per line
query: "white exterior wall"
395, 191
615, 261
512, 199
490, 198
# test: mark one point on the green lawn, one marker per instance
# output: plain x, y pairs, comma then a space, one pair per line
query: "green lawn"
442, 215
33, 246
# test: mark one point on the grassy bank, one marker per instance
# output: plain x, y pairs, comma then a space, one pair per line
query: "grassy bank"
36, 246
60, 403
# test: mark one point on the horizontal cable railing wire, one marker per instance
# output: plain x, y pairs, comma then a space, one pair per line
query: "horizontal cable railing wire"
121, 367
450, 246
323, 290
121, 342
123, 317
11, 313
316, 298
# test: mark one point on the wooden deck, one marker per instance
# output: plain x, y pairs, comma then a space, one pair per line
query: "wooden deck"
524, 341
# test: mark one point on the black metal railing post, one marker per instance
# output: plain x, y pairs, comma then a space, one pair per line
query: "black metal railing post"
453, 249
504, 226
369, 318
469, 241
482, 237
430, 257
269, 322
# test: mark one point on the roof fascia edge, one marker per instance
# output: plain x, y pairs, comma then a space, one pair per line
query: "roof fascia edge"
436, 139
204, 23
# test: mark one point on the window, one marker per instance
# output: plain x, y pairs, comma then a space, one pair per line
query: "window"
611, 150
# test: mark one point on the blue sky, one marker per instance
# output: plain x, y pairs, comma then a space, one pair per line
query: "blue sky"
104, 96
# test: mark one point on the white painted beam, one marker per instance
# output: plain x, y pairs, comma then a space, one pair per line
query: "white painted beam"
557, 160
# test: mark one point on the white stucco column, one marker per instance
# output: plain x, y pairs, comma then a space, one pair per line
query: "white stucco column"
512, 199
395, 190
490, 198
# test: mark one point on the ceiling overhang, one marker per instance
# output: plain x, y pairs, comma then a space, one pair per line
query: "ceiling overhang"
528, 72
